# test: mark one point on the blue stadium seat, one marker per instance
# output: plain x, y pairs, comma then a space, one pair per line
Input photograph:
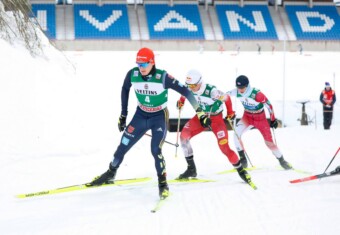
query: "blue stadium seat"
109, 21
250, 22
317, 23
181, 21
45, 14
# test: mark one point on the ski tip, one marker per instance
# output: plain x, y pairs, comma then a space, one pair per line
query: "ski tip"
295, 181
253, 186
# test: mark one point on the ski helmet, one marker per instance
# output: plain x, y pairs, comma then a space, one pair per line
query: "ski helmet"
242, 81
193, 77
145, 55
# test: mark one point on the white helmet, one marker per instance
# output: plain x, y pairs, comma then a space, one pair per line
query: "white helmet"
193, 77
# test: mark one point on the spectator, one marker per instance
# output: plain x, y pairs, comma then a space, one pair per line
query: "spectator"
327, 98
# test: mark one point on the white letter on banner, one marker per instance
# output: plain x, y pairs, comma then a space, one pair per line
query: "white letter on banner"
182, 23
306, 27
233, 17
104, 25
42, 19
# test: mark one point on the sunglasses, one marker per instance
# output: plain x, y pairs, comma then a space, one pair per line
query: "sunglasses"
192, 85
143, 65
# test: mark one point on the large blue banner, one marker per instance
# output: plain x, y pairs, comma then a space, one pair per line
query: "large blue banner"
45, 15
174, 22
248, 22
109, 21
317, 23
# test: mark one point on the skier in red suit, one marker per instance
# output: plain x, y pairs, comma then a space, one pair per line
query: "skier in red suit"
254, 102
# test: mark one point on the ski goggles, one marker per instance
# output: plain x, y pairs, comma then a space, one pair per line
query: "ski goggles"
143, 65
191, 86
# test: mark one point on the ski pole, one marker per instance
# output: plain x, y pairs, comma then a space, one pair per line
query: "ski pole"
178, 126
209, 114
274, 135
164, 140
332, 159
239, 140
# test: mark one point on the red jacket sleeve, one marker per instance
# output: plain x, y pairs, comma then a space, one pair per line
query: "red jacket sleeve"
229, 105
260, 97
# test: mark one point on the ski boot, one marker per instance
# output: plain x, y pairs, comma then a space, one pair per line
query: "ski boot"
285, 165
163, 187
106, 177
244, 175
190, 171
336, 171
243, 158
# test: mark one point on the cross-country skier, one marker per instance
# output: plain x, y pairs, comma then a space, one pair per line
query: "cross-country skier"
151, 88
254, 101
208, 98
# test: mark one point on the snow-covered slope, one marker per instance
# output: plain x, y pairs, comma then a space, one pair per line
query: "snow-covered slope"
59, 127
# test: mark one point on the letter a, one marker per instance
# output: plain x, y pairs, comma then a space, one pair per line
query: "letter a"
182, 23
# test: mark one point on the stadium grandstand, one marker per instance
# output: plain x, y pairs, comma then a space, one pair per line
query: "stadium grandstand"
190, 25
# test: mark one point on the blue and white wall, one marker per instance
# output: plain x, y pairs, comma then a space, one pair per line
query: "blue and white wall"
317, 23
248, 22
184, 22
45, 14
109, 21
176, 22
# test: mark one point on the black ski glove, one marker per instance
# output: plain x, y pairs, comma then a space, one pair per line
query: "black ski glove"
274, 123
121, 123
203, 117
231, 117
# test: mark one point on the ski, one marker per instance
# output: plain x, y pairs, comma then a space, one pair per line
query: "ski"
234, 170
251, 184
159, 204
301, 171
190, 180
254, 168
314, 177
82, 187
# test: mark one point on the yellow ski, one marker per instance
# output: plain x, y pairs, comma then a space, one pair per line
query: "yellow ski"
160, 203
191, 180
234, 170
82, 187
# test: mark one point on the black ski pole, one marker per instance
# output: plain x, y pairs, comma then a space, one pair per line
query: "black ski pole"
178, 127
176, 145
239, 140
332, 160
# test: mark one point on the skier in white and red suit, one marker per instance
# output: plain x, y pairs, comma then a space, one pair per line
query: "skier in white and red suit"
208, 97
254, 101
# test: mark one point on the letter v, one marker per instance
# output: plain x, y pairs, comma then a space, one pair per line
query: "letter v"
102, 26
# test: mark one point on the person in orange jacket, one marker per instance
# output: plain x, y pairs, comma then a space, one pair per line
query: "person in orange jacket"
328, 99
208, 97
